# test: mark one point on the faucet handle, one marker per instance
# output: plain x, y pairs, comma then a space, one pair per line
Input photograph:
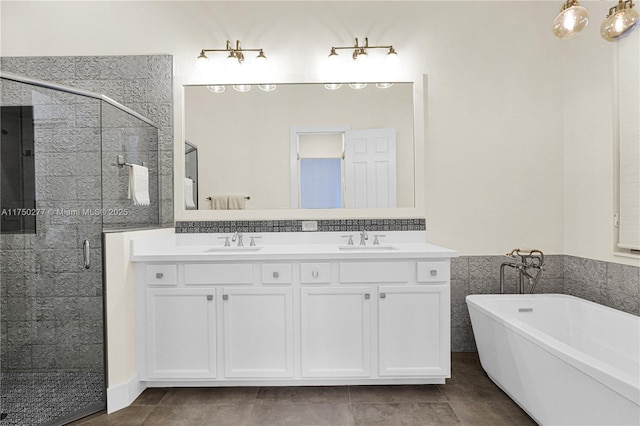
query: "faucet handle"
252, 243
226, 241
350, 242
375, 239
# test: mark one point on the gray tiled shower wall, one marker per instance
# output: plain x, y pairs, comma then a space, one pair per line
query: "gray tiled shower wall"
610, 284
143, 83
51, 307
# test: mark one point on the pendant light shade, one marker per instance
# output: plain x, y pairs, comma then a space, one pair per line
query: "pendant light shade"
570, 21
621, 21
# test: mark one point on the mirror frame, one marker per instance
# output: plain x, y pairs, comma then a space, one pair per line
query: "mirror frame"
418, 211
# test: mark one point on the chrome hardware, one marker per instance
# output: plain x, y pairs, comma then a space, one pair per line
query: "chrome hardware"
225, 297
252, 243
276, 275
350, 242
434, 272
383, 295
524, 261
86, 254
237, 236
363, 237
375, 239
159, 275
367, 296
226, 241
209, 297
315, 274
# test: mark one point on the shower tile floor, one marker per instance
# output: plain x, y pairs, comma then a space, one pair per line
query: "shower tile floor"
38, 398
468, 398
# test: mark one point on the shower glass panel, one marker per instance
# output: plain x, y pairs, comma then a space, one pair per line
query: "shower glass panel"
52, 357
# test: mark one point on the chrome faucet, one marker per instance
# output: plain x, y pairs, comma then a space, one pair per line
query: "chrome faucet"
237, 236
363, 237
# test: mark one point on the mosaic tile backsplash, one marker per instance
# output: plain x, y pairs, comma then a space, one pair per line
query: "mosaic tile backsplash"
296, 225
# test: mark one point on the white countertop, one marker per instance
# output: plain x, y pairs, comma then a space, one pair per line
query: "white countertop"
285, 246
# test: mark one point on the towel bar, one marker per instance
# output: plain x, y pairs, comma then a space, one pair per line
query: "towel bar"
246, 197
122, 163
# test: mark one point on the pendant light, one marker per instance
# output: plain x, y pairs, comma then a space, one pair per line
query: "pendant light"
621, 21
570, 21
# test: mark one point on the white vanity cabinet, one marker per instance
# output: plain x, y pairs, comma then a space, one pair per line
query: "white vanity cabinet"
180, 328
329, 319
258, 332
336, 325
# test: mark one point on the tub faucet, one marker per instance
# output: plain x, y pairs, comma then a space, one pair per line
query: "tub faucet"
238, 236
363, 237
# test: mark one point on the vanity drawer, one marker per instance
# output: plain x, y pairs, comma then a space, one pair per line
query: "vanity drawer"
315, 273
276, 273
431, 272
374, 272
162, 274
218, 273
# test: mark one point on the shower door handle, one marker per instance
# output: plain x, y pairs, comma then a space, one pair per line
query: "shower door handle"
85, 254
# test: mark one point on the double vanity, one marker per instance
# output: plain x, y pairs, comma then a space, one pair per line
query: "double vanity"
293, 309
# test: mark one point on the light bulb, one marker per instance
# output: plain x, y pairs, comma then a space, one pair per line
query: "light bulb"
383, 85
242, 87
216, 89
620, 23
332, 86
570, 21
202, 65
267, 87
357, 86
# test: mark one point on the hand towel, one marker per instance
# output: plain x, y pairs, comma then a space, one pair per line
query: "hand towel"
236, 202
139, 185
188, 194
220, 202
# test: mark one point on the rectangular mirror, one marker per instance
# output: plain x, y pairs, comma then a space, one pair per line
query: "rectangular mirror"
294, 146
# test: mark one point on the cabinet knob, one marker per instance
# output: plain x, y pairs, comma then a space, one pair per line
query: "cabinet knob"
276, 274
383, 295
159, 275
434, 272
225, 297
367, 296
209, 297
315, 274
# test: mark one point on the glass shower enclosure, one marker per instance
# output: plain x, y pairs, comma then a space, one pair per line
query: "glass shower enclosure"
61, 188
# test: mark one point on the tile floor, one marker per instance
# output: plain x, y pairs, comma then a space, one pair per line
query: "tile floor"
468, 398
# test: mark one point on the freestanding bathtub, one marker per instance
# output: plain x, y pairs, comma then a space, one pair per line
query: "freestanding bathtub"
564, 360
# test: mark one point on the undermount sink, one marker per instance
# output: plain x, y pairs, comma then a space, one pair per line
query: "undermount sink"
377, 247
243, 249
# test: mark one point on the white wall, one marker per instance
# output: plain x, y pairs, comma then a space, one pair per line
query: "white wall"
493, 152
518, 130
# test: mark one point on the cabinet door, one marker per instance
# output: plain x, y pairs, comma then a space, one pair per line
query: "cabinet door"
181, 335
413, 330
336, 332
258, 332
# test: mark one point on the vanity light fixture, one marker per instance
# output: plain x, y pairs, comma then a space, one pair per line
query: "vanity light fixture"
267, 87
360, 52
383, 85
621, 20
235, 53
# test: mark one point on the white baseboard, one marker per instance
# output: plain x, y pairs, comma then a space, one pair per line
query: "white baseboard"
122, 395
